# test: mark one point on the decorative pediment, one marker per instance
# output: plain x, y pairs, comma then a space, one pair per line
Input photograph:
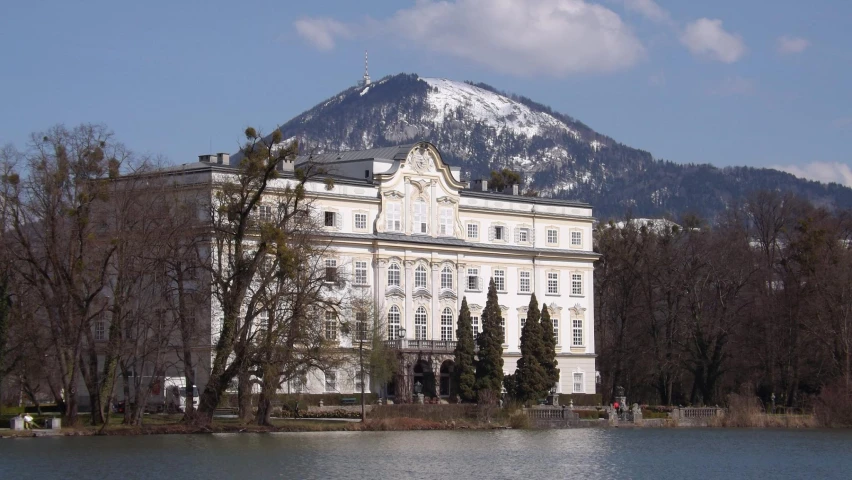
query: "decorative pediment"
446, 200
474, 306
393, 194
504, 309
449, 295
523, 309
577, 309
421, 293
395, 292
420, 159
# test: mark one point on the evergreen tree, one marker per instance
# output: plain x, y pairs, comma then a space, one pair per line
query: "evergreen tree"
489, 365
548, 358
531, 378
464, 373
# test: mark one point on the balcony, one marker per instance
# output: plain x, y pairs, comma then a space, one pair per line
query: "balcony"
405, 344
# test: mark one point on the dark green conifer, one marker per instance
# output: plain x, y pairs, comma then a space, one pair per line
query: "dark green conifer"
464, 373
548, 359
489, 365
531, 379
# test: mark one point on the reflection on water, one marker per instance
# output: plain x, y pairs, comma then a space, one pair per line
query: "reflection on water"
556, 454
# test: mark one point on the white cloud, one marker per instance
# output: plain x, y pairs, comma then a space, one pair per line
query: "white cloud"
821, 172
321, 32
706, 37
789, 45
649, 9
553, 37
733, 85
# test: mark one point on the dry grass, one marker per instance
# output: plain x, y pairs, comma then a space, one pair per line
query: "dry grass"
746, 411
519, 420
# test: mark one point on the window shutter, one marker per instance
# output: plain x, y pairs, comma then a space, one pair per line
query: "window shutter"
338, 220
491, 233
517, 234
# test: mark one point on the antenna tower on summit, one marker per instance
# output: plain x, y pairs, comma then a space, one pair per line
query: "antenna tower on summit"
366, 80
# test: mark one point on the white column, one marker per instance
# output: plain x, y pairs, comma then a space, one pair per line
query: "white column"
436, 304
408, 288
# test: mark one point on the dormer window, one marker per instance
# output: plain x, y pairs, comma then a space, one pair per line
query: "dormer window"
446, 221
393, 217
421, 218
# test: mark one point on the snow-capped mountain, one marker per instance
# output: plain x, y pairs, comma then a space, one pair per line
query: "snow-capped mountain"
480, 128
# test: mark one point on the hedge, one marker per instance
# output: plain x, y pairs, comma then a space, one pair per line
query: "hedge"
581, 399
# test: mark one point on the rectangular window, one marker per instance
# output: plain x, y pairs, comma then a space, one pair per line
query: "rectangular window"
525, 282
446, 221
393, 217
578, 383
330, 381
447, 278
100, 330
299, 384
265, 213
420, 217
523, 235
552, 236
576, 239
420, 277
330, 325
360, 272
499, 233
500, 280
473, 279
503, 328
329, 219
576, 284
553, 283
577, 329
475, 322
472, 231
361, 326
330, 270
360, 221
523, 322
359, 383
555, 322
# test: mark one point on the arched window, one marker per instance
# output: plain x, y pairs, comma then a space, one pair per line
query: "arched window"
420, 324
447, 324
393, 275
393, 323
421, 218
447, 278
420, 277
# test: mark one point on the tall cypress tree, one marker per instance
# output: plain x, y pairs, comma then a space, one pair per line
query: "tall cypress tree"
464, 373
548, 359
531, 378
489, 365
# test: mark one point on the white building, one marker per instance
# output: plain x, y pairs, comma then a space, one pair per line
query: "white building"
407, 231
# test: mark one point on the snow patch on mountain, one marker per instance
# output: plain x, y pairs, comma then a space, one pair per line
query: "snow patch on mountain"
446, 97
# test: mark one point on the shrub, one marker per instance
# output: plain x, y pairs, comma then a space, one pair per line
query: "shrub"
833, 408
519, 420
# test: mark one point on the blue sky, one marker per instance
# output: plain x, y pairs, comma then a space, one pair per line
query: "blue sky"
748, 82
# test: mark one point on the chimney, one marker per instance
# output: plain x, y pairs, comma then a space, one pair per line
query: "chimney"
206, 159
223, 158
285, 165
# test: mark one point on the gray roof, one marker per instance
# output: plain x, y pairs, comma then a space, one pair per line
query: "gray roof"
522, 198
397, 152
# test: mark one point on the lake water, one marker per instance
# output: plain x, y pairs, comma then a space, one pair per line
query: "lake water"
552, 454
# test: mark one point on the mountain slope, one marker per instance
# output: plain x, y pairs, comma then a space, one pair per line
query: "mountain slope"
480, 129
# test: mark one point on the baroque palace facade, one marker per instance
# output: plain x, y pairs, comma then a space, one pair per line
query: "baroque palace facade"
409, 234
